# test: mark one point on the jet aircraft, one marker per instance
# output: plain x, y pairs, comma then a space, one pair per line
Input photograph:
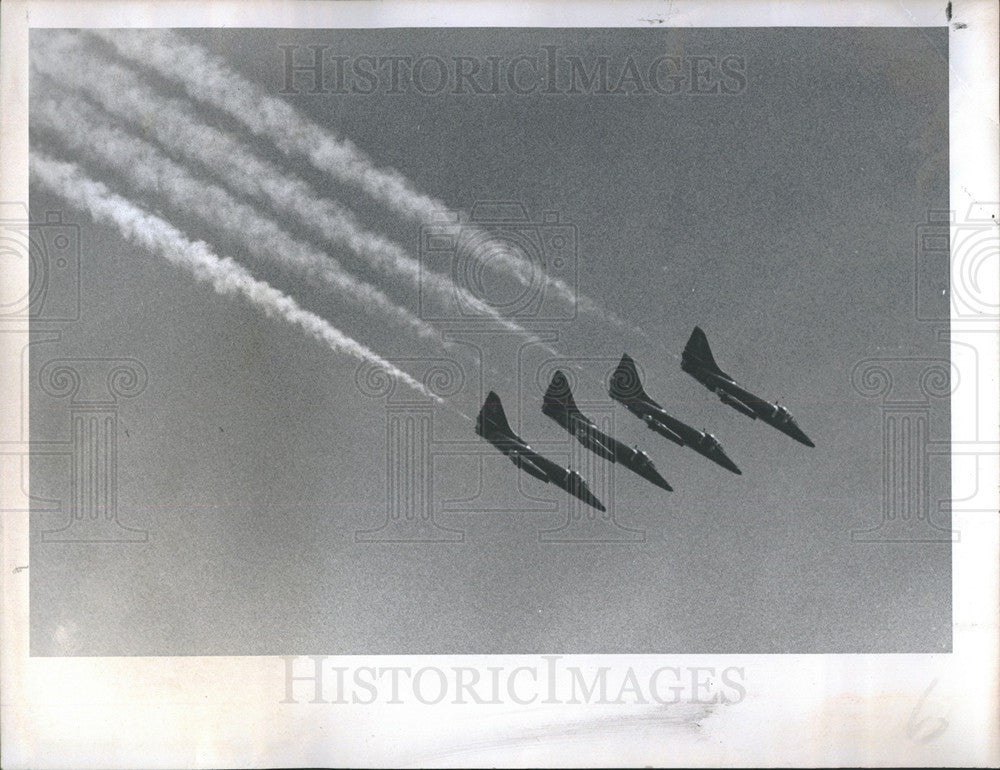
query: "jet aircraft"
626, 388
700, 364
558, 404
492, 425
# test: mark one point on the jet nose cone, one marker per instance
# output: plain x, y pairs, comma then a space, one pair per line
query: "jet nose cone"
796, 433
584, 494
728, 464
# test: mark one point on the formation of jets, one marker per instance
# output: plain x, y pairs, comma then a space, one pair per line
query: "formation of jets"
626, 388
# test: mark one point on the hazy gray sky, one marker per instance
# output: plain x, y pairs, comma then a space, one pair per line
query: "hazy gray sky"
781, 219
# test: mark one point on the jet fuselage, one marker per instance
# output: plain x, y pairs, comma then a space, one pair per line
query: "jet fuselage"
697, 361
492, 425
627, 390
559, 405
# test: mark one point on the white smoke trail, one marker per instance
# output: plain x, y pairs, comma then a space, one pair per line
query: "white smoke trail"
208, 79
172, 123
93, 138
227, 277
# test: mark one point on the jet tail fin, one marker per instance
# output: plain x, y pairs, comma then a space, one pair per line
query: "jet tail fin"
697, 348
559, 395
625, 384
492, 417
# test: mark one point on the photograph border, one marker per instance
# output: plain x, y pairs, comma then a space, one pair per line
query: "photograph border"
794, 710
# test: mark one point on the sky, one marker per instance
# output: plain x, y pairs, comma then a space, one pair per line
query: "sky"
781, 219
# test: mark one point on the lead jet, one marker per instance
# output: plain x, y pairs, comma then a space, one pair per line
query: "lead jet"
558, 404
700, 364
626, 388
492, 425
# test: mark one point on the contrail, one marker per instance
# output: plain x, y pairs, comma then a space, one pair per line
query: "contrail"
87, 133
227, 277
208, 79
172, 123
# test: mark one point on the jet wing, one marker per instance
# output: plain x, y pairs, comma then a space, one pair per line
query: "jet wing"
744, 396
549, 471
748, 406
657, 419
665, 430
593, 438
573, 483
528, 462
